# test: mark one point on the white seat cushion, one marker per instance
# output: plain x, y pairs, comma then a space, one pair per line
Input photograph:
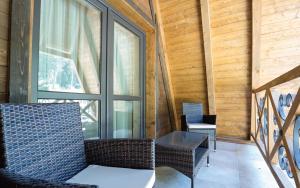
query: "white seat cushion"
113, 177
201, 126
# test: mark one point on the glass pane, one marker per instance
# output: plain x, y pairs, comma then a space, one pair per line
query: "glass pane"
69, 56
126, 119
89, 115
126, 62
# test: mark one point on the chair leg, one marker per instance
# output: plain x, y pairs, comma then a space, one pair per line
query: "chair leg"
192, 182
207, 164
215, 140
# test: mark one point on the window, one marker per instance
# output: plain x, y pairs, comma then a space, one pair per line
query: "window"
126, 99
90, 54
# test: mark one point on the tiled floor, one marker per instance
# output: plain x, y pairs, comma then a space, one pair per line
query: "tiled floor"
231, 166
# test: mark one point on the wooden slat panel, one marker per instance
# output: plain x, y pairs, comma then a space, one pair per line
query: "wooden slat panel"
280, 35
4, 6
3, 97
3, 79
231, 36
165, 62
4, 48
184, 43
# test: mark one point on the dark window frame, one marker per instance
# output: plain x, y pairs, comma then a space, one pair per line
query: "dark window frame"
106, 97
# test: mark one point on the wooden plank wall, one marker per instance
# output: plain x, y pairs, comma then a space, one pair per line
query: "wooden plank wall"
164, 123
184, 42
231, 41
4, 48
280, 36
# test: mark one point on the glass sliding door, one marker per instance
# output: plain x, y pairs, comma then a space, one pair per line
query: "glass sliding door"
71, 67
126, 119
126, 89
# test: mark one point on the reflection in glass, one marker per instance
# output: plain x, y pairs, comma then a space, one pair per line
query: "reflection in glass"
126, 62
89, 115
126, 119
69, 47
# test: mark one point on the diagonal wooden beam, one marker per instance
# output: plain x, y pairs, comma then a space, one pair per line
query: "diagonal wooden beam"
287, 122
261, 111
205, 16
292, 111
285, 143
268, 163
162, 39
291, 161
258, 108
278, 119
268, 126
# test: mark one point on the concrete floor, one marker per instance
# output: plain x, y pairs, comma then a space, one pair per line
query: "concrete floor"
231, 166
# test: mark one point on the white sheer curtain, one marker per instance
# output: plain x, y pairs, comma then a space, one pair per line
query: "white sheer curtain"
70, 34
126, 119
126, 62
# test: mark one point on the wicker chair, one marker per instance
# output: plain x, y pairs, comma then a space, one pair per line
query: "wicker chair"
193, 120
43, 146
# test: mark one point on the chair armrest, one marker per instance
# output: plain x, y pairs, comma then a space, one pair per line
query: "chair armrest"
183, 123
9, 179
210, 119
125, 153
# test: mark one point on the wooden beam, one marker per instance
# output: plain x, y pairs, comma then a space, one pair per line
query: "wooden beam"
268, 163
285, 143
205, 16
256, 31
164, 54
286, 124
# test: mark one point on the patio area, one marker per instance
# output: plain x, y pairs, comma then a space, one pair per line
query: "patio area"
232, 166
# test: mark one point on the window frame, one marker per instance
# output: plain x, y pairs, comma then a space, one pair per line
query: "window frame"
107, 12
113, 16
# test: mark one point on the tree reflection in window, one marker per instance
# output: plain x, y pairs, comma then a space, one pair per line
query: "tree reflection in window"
57, 73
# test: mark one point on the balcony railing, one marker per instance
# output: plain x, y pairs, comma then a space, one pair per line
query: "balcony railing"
276, 129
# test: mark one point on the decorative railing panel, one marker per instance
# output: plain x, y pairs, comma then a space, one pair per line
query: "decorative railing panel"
277, 126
